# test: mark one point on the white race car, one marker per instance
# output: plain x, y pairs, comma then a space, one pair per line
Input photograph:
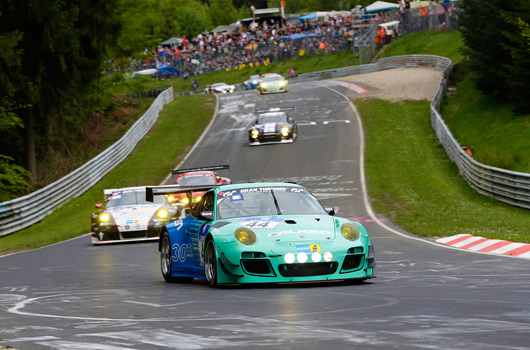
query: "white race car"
127, 216
220, 88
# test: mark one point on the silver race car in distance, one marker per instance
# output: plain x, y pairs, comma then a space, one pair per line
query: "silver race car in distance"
273, 126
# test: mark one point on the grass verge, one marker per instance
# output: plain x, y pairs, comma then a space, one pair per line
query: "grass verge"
180, 124
413, 182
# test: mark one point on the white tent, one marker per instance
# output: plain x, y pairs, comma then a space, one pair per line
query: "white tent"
381, 6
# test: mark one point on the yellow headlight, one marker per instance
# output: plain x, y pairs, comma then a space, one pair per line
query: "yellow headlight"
185, 200
282, 83
197, 199
104, 217
254, 133
245, 235
350, 231
162, 214
170, 198
285, 131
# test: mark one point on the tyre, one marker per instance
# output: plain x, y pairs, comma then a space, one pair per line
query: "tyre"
210, 263
166, 261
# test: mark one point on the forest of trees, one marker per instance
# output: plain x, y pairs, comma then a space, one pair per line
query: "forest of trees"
53, 53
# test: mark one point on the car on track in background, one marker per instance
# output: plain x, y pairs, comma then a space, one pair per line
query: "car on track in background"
252, 82
273, 126
220, 88
201, 176
126, 216
262, 233
272, 83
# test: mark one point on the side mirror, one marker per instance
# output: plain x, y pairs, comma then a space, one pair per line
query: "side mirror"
99, 205
206, 215
330, 210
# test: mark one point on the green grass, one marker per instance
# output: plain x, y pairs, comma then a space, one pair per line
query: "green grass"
446, 44
180, 124
412, 181
499, 137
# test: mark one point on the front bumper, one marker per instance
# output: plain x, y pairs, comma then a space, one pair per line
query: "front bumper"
238, 267
273, 89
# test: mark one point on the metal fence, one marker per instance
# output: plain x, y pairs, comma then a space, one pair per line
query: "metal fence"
25, 211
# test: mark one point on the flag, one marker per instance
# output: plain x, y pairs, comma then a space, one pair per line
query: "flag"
283, 7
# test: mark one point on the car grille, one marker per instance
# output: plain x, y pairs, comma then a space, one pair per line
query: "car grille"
308, 269
352, 262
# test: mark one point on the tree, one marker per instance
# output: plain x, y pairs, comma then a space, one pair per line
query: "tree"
59, 57
222, 12
496, 49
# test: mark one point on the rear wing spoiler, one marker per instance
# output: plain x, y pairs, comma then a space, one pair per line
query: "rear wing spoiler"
277, 109
204, 168
109, 191
152, 191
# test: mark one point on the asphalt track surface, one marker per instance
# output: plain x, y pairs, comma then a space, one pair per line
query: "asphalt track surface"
73, 295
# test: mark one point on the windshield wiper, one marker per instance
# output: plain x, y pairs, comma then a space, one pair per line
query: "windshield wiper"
276, 203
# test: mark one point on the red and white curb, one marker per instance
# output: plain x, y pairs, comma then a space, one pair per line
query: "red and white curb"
486, 245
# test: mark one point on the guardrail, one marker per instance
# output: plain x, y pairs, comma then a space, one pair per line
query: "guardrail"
25, 211
504, 185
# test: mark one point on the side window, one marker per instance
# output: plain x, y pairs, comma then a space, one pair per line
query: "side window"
206, 204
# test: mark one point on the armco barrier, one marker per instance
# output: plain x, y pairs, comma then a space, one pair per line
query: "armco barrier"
504, 185
25, 211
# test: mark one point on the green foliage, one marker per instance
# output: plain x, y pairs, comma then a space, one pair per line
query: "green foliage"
13, 179
222, 12
497, 49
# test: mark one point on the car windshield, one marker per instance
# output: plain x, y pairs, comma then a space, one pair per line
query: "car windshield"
272, 118
196, 180
265, 201
119, 199
272, 78
219, 85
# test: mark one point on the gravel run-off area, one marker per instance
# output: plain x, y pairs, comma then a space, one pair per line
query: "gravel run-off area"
399, 84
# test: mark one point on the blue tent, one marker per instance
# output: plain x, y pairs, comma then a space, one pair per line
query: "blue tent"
311, 15
300, 36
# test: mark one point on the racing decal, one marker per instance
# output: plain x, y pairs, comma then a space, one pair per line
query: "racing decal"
308, 248
269, 127
260, 223
203, 230
180, 252
131, 221
297, 232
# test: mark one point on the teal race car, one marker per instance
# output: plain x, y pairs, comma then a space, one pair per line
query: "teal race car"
261, 233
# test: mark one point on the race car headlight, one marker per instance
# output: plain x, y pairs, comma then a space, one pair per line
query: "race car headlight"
350, 231
263, 85
254, 82
197, 199
254, 133
328, 256
104, 217
162, 214
185, 200
245, 235
285, 131
283, 83
171, 199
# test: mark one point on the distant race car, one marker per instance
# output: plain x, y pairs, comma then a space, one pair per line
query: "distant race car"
271, 83
220, 88
273, 126
262, 233
127, 216
252, 82
202, 176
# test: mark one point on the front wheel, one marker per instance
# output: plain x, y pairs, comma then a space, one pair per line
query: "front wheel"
210, 263
166, 261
